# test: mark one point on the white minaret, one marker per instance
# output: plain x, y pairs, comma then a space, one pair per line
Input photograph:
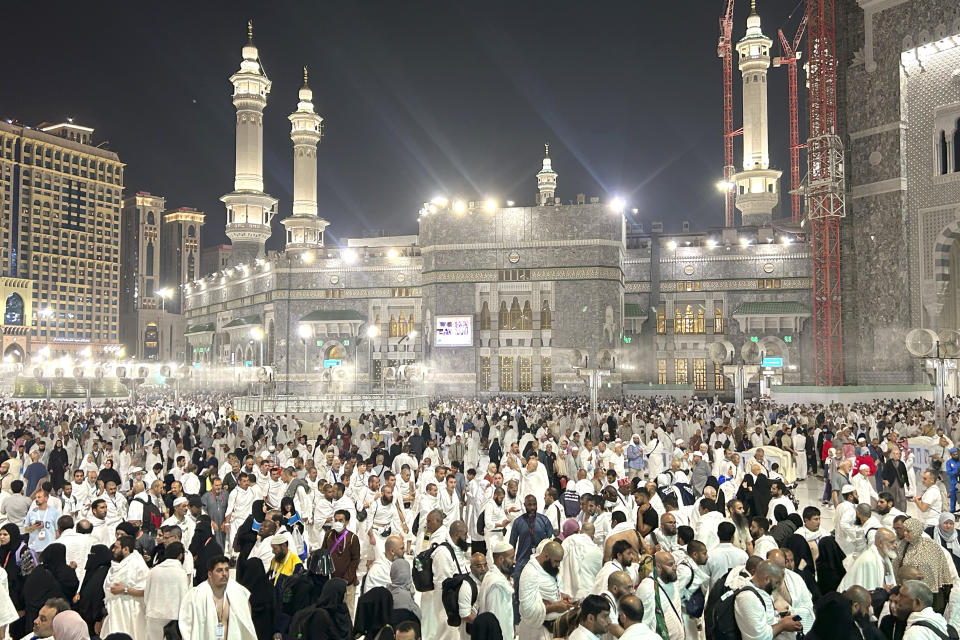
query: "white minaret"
546, 179
757, 184
305, 227
249, 209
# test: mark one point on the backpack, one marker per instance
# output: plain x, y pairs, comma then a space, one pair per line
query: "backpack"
319, 563
571, 503
482, 522
696, 602
423, 567
152, 518
724, 616
450, 596
951, 633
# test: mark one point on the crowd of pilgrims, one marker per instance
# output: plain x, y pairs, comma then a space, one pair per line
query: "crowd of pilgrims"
494, 519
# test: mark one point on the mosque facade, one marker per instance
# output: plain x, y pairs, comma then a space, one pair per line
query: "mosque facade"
497, 298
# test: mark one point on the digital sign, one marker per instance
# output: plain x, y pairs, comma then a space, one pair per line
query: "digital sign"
453, 331
772, 362
329, 364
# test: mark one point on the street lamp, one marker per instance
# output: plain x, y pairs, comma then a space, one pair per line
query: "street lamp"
257, 334
163, 294
304, 332
372, 332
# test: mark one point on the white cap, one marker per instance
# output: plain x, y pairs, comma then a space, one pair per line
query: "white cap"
281, 538
135, 470
502, 547
179, 501
864, 467
847, 489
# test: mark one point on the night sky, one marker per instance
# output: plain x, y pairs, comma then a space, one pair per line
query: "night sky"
419, 99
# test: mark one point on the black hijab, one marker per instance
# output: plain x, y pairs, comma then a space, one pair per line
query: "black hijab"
204, 548
487, 627
44, 582
54, 558
10, 559
331, 600
254, 579
834, 619
801, 551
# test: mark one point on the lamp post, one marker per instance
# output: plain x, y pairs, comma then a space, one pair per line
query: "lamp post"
163, 294
372, 332
256, 333
304, 332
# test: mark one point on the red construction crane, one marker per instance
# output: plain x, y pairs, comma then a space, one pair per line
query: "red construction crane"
790, 57
825, 192
725, 53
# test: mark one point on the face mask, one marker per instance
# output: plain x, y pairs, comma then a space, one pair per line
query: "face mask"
337, 526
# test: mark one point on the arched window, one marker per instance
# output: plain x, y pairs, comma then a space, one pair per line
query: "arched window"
526, 320
191, 231
149, 258
191, 264
393, 326
401, 326
13, 311
515, 315
484, 317
545, 319
504, 316
410, 323
150, 218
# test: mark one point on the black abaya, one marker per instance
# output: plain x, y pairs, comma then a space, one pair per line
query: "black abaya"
262, 599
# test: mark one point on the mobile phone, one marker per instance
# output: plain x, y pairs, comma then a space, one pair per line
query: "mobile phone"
796, 618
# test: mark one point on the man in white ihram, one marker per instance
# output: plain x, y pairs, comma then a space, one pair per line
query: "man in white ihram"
123, 591
217, 609
448, 560
873, 569
541, 599
167, 584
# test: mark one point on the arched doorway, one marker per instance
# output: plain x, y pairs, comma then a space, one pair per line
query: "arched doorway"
151, 341
335, 352
13, 354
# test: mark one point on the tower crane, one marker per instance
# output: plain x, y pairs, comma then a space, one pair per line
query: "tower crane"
725, 53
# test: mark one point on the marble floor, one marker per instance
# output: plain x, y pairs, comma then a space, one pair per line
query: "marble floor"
809, 493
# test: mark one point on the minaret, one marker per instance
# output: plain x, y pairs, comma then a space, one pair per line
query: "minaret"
757, 184
546, 179
249, 209
305, 227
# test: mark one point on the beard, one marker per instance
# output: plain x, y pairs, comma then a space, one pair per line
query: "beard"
668, 578
552, 569
740, 521
462, 544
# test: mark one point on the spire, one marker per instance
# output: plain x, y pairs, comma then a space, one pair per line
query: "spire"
753, 21
306, 76
250, 32
546, 178
753, 8
546, 149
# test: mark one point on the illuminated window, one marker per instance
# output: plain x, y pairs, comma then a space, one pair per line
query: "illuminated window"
718, 320
688, 285
394, 329
526, 373
545, 315
661, 371
700, 326
718, 380
680, 375
546, 373
661, 321
503, 320
484, 317
515, 315
526, 320
686, 320
506, 373
485, 373
699, 374
768, 283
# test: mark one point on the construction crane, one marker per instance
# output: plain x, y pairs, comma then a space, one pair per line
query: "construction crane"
725, 53
825, 192
791, 54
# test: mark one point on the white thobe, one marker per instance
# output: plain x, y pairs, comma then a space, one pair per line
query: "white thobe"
707, 529
534, 483
801, 599
536, 585
78, 548
723, 558
125, 612
198, 613
166, 586
755, 616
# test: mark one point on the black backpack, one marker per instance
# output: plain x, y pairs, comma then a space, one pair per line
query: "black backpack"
296, 591
152, 518
450, 596
571, 503
695, 603
951, 633
319, 563
724, 615
423, 567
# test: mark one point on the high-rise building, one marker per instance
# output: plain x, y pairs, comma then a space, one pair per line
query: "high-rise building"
161, 251
60, 250
215, 258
